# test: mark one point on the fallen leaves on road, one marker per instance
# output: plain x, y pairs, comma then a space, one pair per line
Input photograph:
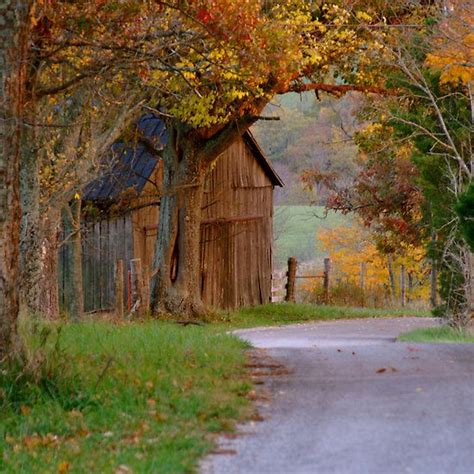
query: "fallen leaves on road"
384, 369
224, 451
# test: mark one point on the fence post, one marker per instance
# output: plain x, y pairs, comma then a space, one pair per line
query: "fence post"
290, 285
137, 287
119, 289
403, 297
327, 269
146, 289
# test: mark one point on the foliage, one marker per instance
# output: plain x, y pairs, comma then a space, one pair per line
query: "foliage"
311, 135
465, 211
453, 51
355, 255
417, 152
144, 396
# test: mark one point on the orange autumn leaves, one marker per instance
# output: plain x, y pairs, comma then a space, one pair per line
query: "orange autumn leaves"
453, 51
349, 247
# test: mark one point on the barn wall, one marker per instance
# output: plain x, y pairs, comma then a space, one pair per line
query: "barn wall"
145, 218
102, 245
236, 234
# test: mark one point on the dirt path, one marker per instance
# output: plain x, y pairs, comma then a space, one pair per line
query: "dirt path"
356, 401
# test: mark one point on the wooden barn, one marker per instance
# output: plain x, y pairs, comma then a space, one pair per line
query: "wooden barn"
122, 212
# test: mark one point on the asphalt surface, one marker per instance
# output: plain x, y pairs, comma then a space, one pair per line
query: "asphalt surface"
357, 401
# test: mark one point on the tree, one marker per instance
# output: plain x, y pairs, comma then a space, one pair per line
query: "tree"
247, 55
430, 116
83, 88
465, 211
13, 48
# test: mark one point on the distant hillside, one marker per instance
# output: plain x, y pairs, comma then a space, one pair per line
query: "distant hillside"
311, 134
295, 230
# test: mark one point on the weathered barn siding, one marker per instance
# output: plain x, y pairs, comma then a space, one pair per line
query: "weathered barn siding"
145, 216
105, 243
112, 239
102, 245
236, 231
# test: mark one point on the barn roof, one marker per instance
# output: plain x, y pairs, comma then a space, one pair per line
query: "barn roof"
131, 166
265, 163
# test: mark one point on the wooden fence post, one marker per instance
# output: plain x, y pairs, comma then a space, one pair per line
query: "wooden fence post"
146, 289
119, 289
290, 285
327, 269
137, 286
403, 294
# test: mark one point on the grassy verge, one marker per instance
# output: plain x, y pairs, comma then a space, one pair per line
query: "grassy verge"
121, 398
441, 334
287, 313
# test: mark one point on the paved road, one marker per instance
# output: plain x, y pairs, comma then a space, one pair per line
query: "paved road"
337, 411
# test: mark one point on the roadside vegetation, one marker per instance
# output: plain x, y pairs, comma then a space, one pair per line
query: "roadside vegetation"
119, 398
288, 313
441, 334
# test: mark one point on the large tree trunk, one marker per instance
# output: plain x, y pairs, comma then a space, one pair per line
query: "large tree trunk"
73, 284
13, 47
76, 242
176, 285
30, 232
49, 287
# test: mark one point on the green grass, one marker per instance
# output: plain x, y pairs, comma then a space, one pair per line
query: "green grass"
287, 313
441, 334
146, 396
295, 229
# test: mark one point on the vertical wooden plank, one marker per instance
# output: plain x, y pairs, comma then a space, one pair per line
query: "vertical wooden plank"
96, 267
119, 297
86, 269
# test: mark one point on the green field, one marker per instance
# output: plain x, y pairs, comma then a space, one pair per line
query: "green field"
295, 229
